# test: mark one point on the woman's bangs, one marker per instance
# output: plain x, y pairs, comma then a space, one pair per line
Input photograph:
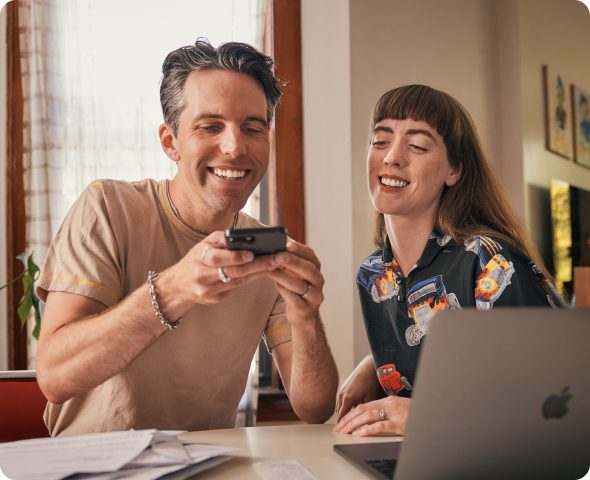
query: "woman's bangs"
415, 102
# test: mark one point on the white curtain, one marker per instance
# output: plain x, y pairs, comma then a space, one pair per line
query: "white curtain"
91, 74
43, 118
42, 58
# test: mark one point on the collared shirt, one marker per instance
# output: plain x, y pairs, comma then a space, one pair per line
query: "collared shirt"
481, 273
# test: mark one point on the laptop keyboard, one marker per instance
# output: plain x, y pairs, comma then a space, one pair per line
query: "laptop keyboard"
386, 467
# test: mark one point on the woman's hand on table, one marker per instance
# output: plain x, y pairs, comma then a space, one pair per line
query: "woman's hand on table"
367, 418
362, 386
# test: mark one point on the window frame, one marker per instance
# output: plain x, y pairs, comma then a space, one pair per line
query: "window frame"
15, 192
285, 172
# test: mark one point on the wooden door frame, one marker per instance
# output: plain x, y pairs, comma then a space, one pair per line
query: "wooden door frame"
286, 202
285, 172
15, 193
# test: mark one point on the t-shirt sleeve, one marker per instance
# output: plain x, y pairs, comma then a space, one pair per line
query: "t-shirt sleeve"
83, 257
278, 328
507, 277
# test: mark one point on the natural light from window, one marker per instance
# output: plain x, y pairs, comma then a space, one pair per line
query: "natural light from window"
113, 53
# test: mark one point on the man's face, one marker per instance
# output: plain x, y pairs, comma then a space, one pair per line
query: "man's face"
223, 139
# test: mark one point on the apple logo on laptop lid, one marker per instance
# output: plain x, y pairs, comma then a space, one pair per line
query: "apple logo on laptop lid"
556, 405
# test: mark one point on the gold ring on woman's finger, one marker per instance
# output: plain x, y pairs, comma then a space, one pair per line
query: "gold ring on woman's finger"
307, 291
204, 252
382, 414
222, 276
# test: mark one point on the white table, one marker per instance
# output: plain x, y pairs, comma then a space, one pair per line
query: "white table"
311, 445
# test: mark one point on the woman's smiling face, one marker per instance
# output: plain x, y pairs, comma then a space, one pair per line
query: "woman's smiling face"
408, 168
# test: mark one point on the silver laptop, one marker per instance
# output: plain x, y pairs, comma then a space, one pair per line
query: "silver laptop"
502, 394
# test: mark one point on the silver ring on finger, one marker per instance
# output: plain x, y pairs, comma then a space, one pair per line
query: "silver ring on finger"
307, 291
222, 276
382, 414
204, 252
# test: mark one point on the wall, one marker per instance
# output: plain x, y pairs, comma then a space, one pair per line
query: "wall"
486, 53
328, 183
554, 33
3, 266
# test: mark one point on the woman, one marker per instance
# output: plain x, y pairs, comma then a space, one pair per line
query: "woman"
447, 238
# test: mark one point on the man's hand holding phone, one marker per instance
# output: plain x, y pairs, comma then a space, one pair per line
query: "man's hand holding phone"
209, 272
298, 276
299, 281
306, 365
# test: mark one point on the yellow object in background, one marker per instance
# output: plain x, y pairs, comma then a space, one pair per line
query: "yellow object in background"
562, 232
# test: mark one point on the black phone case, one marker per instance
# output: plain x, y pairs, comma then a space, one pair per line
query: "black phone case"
260, 241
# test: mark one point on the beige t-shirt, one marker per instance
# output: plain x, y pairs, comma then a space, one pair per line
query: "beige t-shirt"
191, 378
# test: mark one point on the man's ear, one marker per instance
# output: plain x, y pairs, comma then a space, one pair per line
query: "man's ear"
168, 142
454, 175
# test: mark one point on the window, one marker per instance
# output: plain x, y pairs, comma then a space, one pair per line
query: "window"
112, 57
285, 176
90, 105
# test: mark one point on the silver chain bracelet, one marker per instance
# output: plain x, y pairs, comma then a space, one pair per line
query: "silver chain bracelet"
166, 323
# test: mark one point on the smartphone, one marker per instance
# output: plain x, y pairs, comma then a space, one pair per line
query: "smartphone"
260, 241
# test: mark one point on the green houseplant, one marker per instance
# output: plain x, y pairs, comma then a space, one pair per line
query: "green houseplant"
30, 298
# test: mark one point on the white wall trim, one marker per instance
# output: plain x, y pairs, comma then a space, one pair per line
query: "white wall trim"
325, 32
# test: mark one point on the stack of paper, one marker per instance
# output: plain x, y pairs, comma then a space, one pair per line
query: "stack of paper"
137, 455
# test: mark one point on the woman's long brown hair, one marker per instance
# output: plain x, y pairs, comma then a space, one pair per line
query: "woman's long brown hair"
476, 204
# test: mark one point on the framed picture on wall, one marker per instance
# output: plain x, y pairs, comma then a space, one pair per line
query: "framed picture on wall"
558, 118
581, 125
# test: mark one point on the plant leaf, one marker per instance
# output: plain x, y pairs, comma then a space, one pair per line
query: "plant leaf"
27, 281
32, 267
30, 298
37, 328
25, 305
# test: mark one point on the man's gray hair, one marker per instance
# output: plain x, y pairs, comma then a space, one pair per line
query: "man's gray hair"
231, 57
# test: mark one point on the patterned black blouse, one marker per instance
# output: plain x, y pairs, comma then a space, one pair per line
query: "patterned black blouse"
483, 272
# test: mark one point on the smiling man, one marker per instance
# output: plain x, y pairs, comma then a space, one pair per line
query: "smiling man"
173, 352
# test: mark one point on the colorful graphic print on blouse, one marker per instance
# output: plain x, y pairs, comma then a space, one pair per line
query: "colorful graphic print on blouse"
391, 380
380, 279
496, 271
424, 300
546, 284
